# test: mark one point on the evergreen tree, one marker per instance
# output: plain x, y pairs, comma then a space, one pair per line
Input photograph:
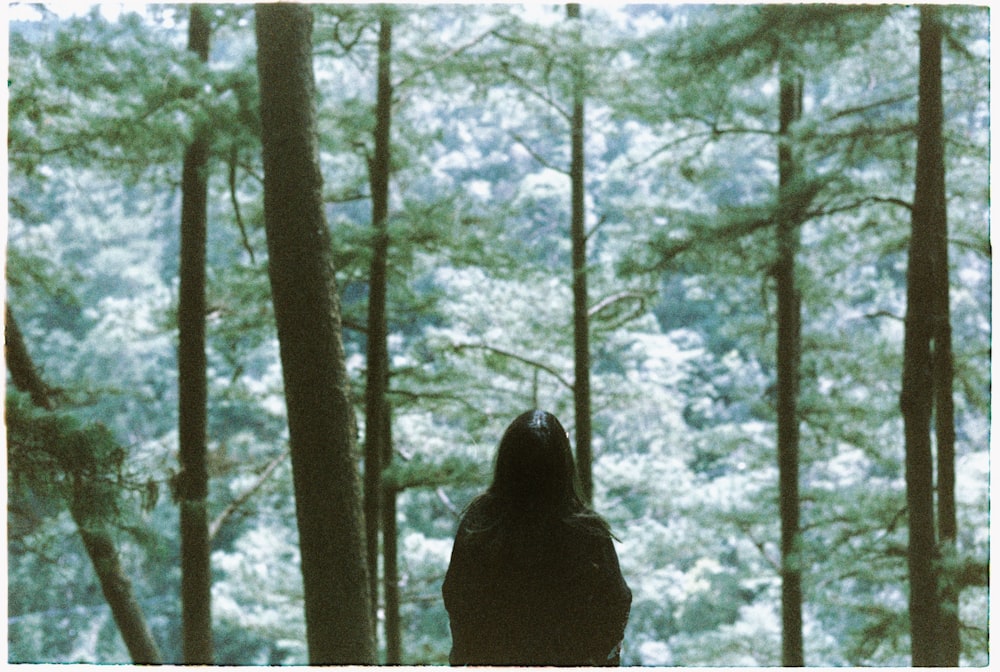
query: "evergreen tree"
321, 420
51, 452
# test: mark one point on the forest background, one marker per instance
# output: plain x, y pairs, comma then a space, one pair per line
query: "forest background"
680, 189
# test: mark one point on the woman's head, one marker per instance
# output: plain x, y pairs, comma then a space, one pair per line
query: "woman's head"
534, 463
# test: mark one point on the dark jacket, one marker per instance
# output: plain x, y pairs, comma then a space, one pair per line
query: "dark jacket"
535, 592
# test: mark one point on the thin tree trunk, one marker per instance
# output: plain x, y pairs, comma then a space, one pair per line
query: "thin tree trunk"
97, 539
192, 490
376, 409
931, 134
917, 397
581, 318
321, 422
393, 624
789, 357
117, 591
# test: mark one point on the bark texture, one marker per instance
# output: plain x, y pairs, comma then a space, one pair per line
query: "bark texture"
321, 422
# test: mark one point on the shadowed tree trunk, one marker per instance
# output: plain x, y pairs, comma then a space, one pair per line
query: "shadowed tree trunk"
931, 124
192, 482
376, 409
393, 623
789, 357
920, 350
321, 422
581, 317
97, 538
22, 369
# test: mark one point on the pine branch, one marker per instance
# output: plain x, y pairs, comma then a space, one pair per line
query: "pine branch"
96, 536
444, 58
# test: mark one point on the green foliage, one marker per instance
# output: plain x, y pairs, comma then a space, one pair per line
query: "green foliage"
52, 455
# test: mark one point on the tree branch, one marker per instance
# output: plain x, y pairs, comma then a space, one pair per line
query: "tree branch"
511, 355
609, 301
236, 203
444, 58
234, 506
535, 155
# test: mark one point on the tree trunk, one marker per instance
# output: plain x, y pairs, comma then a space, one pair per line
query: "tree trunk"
192, 483
117, 591
393, 624
321, 420
789, 357
96, 537
917, 397
22, 369
944, 402
376, 409
581, 319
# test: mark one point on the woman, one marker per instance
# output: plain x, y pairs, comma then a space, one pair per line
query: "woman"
534, 577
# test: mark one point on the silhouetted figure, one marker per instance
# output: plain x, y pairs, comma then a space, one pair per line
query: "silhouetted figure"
534, 577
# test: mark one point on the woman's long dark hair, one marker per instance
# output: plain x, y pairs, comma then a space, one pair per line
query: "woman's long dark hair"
534, 480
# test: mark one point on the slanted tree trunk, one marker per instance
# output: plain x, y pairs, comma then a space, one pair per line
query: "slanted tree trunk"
581, 318
789, 357
192, 482
321, 422
117, 590
919, 349
376, 408
22, 369
97, 538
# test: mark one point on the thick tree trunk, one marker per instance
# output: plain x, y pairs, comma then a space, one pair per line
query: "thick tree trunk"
581, 318
376, 409
321, 422
97, 539
917, 397
789, 357
192, 483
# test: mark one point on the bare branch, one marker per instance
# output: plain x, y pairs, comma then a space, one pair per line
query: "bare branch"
236, 203
235, 505
535, 155
511, 355
610, 301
